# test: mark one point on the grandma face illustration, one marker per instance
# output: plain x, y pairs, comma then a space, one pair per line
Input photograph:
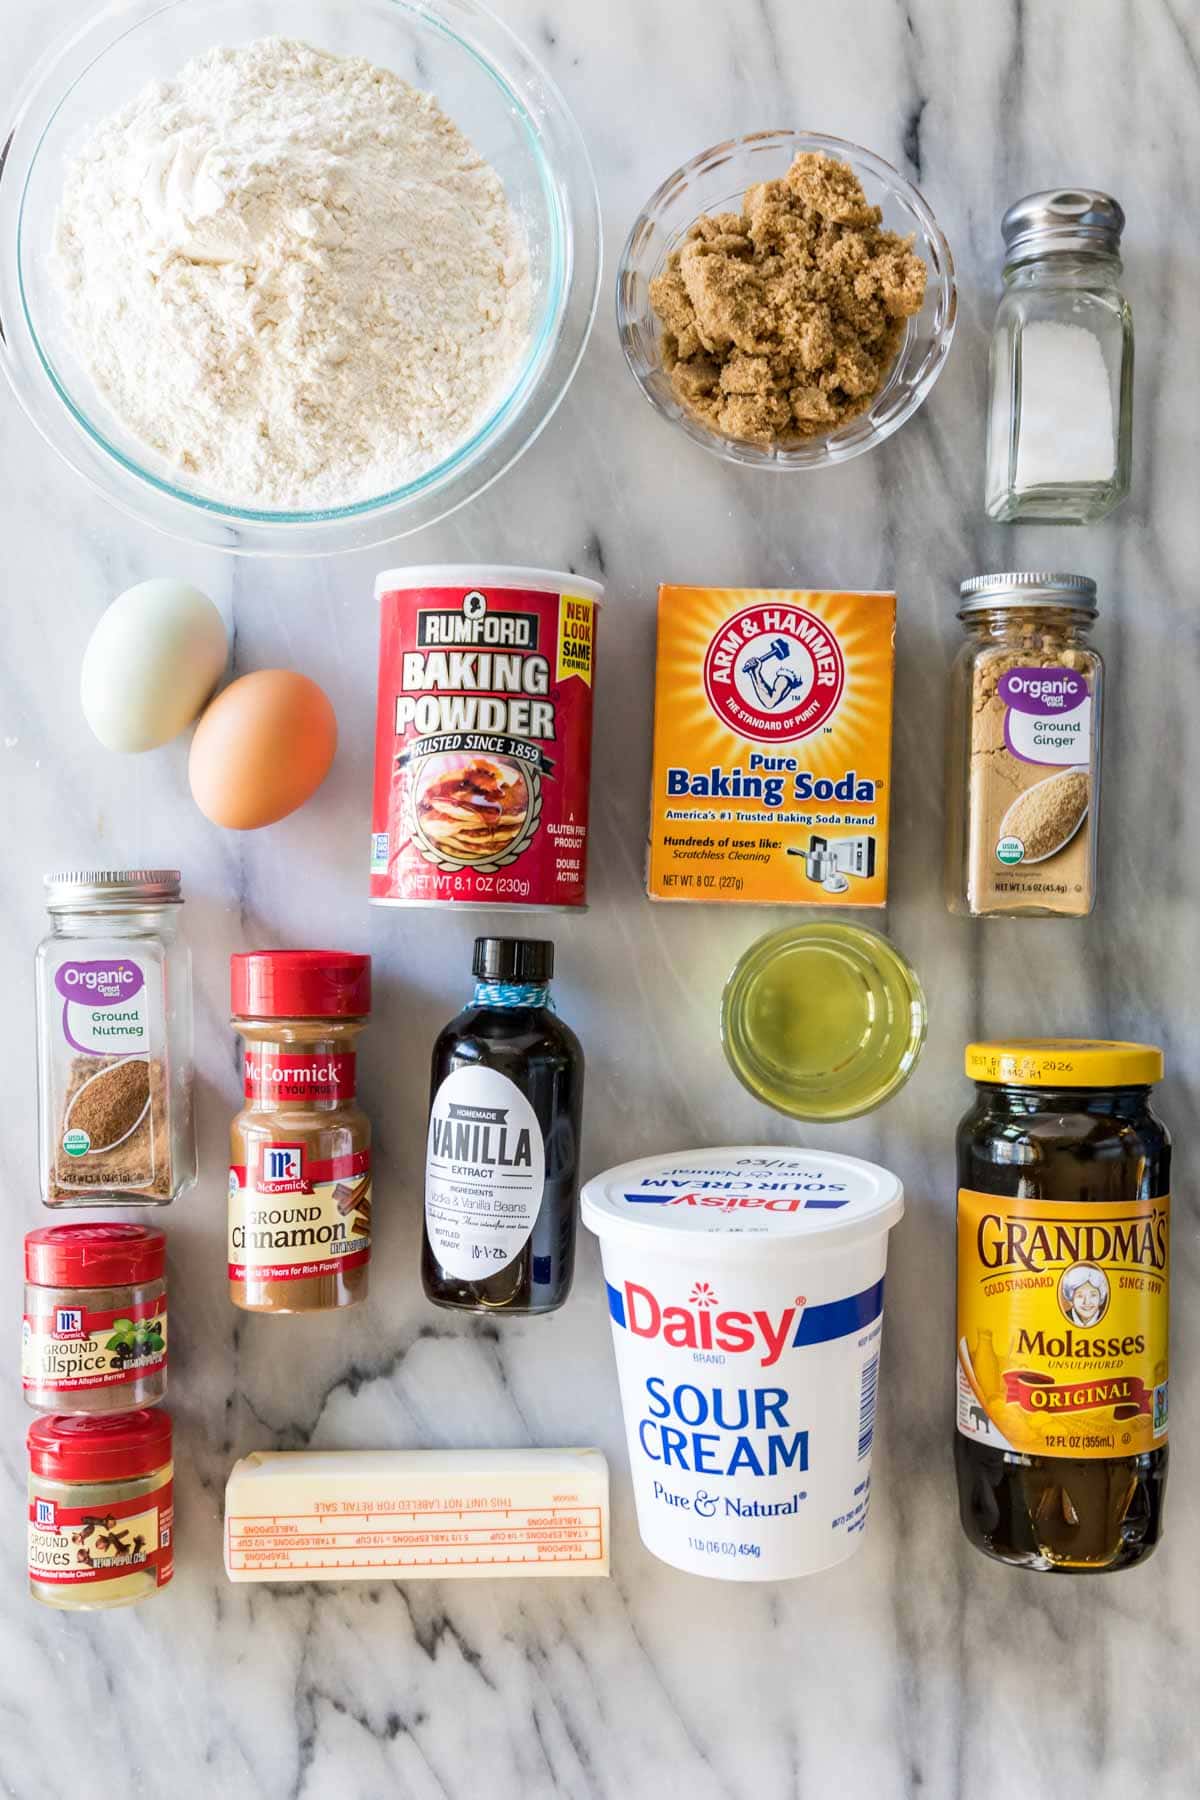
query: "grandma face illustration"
1083, 1294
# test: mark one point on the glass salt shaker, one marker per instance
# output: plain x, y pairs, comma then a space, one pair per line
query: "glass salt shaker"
114, 1009
1061, 370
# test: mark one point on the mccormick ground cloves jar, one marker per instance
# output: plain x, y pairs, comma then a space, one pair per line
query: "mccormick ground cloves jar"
1063, 1286
1023, 789
101, 1513
483, 738
300, 1171
114, 998
94, 1334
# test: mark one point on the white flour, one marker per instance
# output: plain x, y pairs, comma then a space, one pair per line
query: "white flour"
291, 275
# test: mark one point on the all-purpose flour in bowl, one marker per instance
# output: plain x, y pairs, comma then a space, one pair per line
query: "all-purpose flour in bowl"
745, 1287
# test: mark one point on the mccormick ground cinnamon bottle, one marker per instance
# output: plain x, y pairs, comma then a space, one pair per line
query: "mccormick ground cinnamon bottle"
502, 1168
300, 1170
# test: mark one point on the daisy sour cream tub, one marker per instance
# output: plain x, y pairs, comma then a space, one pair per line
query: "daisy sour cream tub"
745, 1287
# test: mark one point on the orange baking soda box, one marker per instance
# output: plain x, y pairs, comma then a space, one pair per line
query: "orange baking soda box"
772, 746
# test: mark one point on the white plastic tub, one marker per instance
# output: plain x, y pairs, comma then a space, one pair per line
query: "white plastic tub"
745, 1287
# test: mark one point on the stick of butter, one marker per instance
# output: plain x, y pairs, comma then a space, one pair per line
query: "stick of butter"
346, 1515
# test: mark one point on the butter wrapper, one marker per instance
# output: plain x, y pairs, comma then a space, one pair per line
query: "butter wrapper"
359, 1515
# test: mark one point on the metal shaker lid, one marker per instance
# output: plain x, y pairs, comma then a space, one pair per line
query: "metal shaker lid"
111, 890
1079, 220
1029, 587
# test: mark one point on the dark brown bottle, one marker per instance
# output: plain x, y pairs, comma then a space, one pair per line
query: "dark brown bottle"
1063, 1280
502, 1159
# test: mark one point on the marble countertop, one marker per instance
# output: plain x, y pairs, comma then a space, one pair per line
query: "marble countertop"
918, 1668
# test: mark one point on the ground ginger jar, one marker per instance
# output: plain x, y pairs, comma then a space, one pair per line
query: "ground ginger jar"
1063, 1295
1023, 774
101, 1512
94, 1331
300, 1163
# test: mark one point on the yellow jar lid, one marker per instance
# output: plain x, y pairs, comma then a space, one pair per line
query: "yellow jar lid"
1065, 1062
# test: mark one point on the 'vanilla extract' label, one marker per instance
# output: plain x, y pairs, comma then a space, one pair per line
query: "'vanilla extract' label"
485, 1173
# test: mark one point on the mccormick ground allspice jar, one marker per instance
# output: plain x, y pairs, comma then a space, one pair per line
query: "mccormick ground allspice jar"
94, 1332
101, 1514
1063, 1282
300, 1168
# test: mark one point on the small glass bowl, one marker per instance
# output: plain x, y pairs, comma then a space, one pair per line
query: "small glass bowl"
823, 1021
715, 182
488, 84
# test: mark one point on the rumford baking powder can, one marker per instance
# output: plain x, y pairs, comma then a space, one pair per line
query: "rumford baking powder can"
483, 737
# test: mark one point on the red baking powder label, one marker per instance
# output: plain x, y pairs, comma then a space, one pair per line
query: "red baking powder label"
76, 1348
292, 1216
483, 747
78, 1545
286, 1077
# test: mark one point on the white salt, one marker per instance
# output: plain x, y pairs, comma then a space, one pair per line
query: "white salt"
1065, 432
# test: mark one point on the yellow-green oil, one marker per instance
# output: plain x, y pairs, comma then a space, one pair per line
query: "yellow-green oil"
823, 1021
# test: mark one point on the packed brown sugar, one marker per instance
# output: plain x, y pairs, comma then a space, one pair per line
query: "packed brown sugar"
782, 321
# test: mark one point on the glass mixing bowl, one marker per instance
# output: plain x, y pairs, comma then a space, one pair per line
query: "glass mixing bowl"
490, 86
714, 182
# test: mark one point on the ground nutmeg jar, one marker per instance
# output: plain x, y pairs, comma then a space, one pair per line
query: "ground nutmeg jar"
101, 1515
94, 1332
300, 1166
114, 1008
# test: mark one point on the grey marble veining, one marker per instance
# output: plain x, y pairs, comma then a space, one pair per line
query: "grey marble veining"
918, 1669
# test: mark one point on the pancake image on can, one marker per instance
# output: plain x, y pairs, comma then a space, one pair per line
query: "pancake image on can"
483, 738
472, 810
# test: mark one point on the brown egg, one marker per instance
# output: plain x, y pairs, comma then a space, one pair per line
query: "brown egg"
261, 749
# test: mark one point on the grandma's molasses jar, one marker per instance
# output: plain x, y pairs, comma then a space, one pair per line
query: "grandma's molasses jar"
502, 1164
300, 1163
1063, 1283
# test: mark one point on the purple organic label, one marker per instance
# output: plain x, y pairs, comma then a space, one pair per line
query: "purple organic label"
1043, 690
100, 983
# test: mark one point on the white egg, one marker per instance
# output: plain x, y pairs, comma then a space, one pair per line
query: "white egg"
154, 658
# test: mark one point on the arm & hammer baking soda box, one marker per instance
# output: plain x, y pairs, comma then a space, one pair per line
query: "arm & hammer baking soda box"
772, 746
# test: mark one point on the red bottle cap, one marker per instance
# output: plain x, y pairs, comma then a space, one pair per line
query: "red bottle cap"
94, 1256
300, 984
98, 1448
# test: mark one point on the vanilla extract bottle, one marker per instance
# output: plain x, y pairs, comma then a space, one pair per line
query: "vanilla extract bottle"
502, 1162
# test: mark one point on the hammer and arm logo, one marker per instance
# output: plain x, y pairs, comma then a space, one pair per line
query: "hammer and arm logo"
775, 673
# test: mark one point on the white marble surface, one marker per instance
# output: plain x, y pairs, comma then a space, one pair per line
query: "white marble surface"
918, 1669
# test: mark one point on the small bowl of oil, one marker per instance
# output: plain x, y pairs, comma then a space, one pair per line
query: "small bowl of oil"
823, 1020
